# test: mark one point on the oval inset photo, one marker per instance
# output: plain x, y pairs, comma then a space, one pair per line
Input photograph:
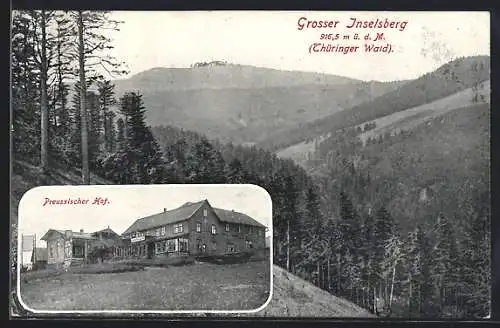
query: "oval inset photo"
145, 249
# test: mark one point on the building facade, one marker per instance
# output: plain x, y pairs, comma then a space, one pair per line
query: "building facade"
66, 247
193, 229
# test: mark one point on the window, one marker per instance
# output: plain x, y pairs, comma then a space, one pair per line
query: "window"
58, 247
214, 229
178, 228
203, 248
171, 245
158, 232
250, 229
248, 243
198, 226
78, 251
230, 248
51, 250
163, 231
239, 228
183, 245
205, 212
160, 247
227, 226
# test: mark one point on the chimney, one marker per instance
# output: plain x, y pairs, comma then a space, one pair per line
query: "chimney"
164, 210
68, 233
81, 230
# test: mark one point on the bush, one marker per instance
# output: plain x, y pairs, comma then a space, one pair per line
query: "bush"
234, 258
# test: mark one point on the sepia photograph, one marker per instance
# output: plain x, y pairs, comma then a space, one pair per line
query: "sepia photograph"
369, 131
86, 252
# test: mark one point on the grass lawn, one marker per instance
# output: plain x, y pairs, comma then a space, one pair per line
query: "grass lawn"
201, 286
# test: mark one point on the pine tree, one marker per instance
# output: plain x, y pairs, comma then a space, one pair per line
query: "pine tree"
95, 128
89, 50
350, 225
205, 164
120, 131
383, 232
446, 259
367, 253
25, 90
106, 101
142, 149
235, 172
291, 194
476, 264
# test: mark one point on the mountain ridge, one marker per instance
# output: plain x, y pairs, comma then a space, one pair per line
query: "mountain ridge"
243, 104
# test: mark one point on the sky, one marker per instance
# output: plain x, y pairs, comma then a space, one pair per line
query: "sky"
273, 40
125, 204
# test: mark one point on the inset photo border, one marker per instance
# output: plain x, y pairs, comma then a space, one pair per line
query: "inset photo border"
131, 249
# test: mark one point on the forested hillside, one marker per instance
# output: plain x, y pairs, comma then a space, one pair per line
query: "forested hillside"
450, 78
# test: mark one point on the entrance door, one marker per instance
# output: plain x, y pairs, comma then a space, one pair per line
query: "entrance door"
151, 250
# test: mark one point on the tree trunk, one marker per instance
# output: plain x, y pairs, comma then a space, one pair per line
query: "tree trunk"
105, 127
319, 277
410, 295
44, 110
386, 291
392, 285
328, 275
288, 245
339, 274
83, 105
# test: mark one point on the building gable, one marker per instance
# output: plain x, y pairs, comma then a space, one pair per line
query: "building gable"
53, 234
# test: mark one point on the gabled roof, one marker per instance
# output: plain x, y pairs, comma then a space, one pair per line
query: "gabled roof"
185, 212
81, 235
167, 217
236, 217
40, 254
107, 230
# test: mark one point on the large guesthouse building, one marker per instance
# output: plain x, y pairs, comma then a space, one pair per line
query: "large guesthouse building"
195, 229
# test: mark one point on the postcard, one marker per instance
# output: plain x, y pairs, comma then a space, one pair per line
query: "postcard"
319, 164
